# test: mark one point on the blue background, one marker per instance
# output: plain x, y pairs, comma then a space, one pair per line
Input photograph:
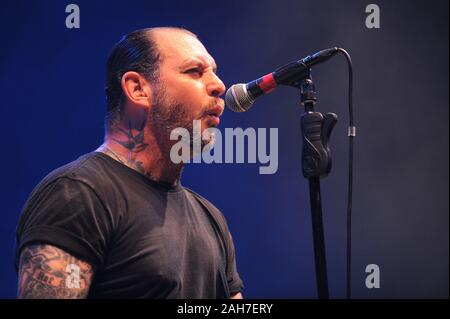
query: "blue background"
52, 108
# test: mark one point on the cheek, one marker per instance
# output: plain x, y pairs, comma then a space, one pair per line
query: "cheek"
191, 94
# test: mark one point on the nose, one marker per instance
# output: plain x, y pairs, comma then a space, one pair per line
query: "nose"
215, 86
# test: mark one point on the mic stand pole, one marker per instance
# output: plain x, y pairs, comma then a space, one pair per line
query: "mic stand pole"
316, 163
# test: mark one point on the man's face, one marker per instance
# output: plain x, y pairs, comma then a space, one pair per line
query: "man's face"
188, 87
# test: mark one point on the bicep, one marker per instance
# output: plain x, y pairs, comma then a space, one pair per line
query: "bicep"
47, 272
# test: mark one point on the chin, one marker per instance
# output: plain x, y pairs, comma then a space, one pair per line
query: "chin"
210, 122
208, 142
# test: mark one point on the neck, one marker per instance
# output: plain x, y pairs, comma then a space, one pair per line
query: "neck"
139, 149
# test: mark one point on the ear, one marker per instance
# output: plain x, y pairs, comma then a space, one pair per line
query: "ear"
137, 89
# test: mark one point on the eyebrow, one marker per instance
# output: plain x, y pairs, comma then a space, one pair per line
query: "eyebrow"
200, 60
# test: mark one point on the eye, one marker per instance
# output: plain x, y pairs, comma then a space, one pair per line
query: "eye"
197, 70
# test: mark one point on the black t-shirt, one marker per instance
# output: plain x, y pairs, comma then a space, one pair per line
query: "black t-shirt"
145, 240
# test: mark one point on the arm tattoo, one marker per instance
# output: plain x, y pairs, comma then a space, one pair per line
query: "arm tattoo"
47, 272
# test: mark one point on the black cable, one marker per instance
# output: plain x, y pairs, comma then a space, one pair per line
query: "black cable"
351, 135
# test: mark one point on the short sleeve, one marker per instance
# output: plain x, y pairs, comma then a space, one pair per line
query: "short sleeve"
68, 214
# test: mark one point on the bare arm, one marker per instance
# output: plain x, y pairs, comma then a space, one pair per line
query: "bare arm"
47, 272
237, 296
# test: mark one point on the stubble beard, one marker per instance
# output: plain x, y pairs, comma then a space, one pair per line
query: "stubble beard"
167, 115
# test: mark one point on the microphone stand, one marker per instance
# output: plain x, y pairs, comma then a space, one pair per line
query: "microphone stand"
316, 163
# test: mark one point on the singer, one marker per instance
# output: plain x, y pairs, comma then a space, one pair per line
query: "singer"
116, 222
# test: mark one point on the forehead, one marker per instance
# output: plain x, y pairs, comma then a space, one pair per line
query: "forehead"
177, 47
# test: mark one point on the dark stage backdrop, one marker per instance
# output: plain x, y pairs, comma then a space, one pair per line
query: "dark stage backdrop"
52, 108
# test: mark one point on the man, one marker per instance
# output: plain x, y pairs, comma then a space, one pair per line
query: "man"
116, 223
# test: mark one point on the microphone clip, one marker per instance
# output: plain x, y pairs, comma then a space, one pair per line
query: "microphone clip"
316, 130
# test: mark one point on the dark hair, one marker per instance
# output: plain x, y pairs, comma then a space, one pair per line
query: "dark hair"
136, 51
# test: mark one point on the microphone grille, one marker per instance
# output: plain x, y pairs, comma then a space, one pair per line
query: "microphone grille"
238, 99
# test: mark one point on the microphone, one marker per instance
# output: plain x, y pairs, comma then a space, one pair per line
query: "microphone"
240, 97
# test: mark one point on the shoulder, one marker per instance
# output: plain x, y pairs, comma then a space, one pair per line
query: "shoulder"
72, 185
87, 168
78, 185
89, 171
